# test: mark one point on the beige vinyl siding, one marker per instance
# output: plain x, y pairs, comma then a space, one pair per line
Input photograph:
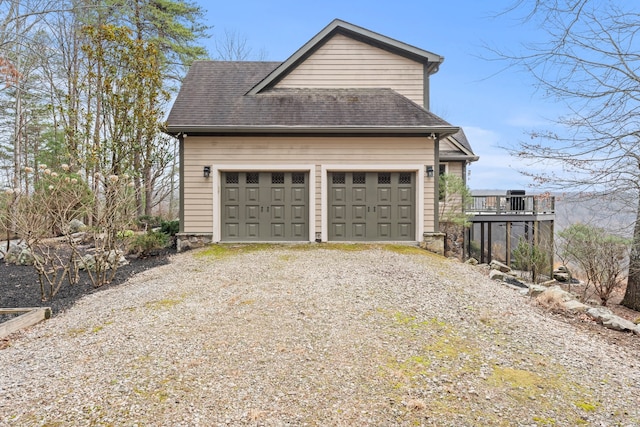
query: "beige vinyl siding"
274, 152
343, 62
455, 168
445, 145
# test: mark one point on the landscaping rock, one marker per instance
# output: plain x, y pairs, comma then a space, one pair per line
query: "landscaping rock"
556, 293
497, 265
619, 324
496, 275
26, 257
575, 306
597, 313
562, 274
11, 257
75, 226
535, 290
472, 261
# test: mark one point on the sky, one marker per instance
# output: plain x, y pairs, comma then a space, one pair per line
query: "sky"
496, 105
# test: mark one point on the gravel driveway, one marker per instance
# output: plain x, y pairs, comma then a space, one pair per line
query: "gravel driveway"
314, 335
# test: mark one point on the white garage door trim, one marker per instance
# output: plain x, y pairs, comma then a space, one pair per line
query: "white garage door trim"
216, 174
324, 195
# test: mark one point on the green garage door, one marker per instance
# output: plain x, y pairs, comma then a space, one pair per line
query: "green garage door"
265, 206
371, 206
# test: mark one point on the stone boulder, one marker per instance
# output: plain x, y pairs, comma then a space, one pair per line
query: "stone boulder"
609, 320
20, 255
575, 306
497, 275
11, 257
75, 226
497, 265
114, 259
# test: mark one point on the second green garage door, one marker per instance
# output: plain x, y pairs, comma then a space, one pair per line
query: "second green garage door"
265, 206
371, 206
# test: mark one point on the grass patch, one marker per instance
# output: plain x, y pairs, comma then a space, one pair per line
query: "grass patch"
222, 250
586, 406
162, 304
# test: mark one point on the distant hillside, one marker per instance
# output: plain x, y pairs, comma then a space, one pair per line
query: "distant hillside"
615, 215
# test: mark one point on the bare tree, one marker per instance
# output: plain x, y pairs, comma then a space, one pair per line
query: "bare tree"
233, 47
589, 61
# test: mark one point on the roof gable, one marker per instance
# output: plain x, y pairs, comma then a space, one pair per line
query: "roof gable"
430, 60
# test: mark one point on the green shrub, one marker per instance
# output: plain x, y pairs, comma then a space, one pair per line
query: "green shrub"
147, 222
532, 259
147, 243
170, 228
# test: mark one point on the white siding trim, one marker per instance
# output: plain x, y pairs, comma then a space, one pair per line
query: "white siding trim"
324, 201
235, 167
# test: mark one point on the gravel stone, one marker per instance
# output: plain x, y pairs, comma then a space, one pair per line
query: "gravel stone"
315, 335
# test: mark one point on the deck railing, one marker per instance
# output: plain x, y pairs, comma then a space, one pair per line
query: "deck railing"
510, 204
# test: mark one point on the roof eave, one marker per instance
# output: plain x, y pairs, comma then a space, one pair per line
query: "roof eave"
438, 131
459, 158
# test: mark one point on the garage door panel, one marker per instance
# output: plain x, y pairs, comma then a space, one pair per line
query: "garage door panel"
371, 205
404, 212
338, 230
359, 195
359, 230
264, 206
232, 212
277, 212
404, 194
384, 213
253, 230
277, 194
252, 194
297, 230
231, 195
384, 195
298, 213
298, 195
253, 212
232, 230
277, 230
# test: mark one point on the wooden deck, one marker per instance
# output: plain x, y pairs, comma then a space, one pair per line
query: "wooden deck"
502, 208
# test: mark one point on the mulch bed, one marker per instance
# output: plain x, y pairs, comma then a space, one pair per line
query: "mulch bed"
19, 285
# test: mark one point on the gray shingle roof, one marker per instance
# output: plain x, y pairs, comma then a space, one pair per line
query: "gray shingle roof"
458, 139
213, 98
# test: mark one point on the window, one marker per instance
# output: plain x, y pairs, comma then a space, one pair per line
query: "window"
297, 178
232, 178
338, 178
384, 178
405, 178
359, 178
253, 178
277, 178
